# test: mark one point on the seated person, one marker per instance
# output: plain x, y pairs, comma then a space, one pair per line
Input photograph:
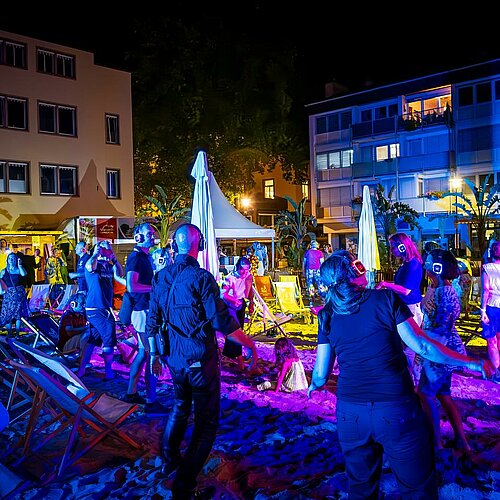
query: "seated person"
73, 326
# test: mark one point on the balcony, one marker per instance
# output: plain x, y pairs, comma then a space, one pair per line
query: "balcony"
407, 122
401, 164
334, 174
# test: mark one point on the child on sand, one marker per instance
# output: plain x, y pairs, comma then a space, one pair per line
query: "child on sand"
291, 374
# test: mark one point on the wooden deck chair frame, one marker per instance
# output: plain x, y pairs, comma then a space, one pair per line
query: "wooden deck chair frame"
45, 327
268, 319
101, 415
63, 302
38, 297
21, 391
264, 286
286, 294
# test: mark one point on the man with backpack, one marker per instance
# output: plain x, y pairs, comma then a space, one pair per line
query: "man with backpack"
185, 299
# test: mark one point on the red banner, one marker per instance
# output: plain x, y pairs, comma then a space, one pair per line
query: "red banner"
107, 229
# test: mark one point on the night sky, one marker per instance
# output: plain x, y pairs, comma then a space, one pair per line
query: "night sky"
354, 45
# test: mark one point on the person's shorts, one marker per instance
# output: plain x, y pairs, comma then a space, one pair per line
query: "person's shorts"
102, 327
439, 383
138, 320
493, 327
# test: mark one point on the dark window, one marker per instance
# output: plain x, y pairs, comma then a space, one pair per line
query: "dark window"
55, 179
54, 63
380, 113
366, 115
45, 61
12, 54
55, 119
112, 129
497, 90
17, 113
67, 121
321, 125
483, 92
393, 109
333, 122
47, 118
465, 96
345, 120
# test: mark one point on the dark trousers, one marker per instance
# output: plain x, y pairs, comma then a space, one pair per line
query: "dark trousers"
199, 386
401, 430
232, 349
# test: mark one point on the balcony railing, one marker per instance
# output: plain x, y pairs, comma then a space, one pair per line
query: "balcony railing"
404, 123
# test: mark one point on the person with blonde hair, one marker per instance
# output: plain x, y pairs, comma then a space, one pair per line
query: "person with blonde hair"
407, 281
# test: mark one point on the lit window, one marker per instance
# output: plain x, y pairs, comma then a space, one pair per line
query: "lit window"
112, 130
112, 183
58, 180
269, 189
13, 177
386, 152
305, 190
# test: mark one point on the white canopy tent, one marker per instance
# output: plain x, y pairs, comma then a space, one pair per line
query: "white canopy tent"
229, 223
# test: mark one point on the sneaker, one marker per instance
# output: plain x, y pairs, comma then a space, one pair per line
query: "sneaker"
155, 410
496, 376
134, 399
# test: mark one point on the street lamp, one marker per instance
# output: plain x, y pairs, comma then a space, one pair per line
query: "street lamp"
456, 187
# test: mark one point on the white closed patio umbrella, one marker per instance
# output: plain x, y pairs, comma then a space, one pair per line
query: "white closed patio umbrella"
202, 214
368, 245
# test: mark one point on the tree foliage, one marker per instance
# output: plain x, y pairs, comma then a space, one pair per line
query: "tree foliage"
479, 209
197, 86
293, 227
164, 211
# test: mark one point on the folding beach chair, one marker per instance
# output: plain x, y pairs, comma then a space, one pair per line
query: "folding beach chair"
266, 320
20, 391
38, 297
286, 293
45, 328
292, 278
264, 286
81, 413
62, 302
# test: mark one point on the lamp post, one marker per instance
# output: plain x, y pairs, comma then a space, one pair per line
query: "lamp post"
456, 186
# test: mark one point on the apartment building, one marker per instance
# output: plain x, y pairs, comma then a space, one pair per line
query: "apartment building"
264, 202
65, 136
422, 136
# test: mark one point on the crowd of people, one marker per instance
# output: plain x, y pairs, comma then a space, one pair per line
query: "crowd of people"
395, 346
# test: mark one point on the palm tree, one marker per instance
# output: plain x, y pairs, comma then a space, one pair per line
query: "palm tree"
165, 212
479, 210
387, 213
292, 227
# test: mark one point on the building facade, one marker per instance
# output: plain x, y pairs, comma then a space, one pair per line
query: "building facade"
419, 138
65, 136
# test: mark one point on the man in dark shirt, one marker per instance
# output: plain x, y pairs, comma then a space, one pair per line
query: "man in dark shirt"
81, 251
139, 275
187, 300
100, 270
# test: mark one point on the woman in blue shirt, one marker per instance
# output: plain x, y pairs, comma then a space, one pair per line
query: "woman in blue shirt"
406, 284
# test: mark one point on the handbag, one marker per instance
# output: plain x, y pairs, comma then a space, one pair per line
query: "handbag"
161, 345
125, 312
160, 337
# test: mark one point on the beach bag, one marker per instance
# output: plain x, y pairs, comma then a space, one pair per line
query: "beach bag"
125, 312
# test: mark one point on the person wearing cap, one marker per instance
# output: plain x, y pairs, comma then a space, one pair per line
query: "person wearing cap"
313, 258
